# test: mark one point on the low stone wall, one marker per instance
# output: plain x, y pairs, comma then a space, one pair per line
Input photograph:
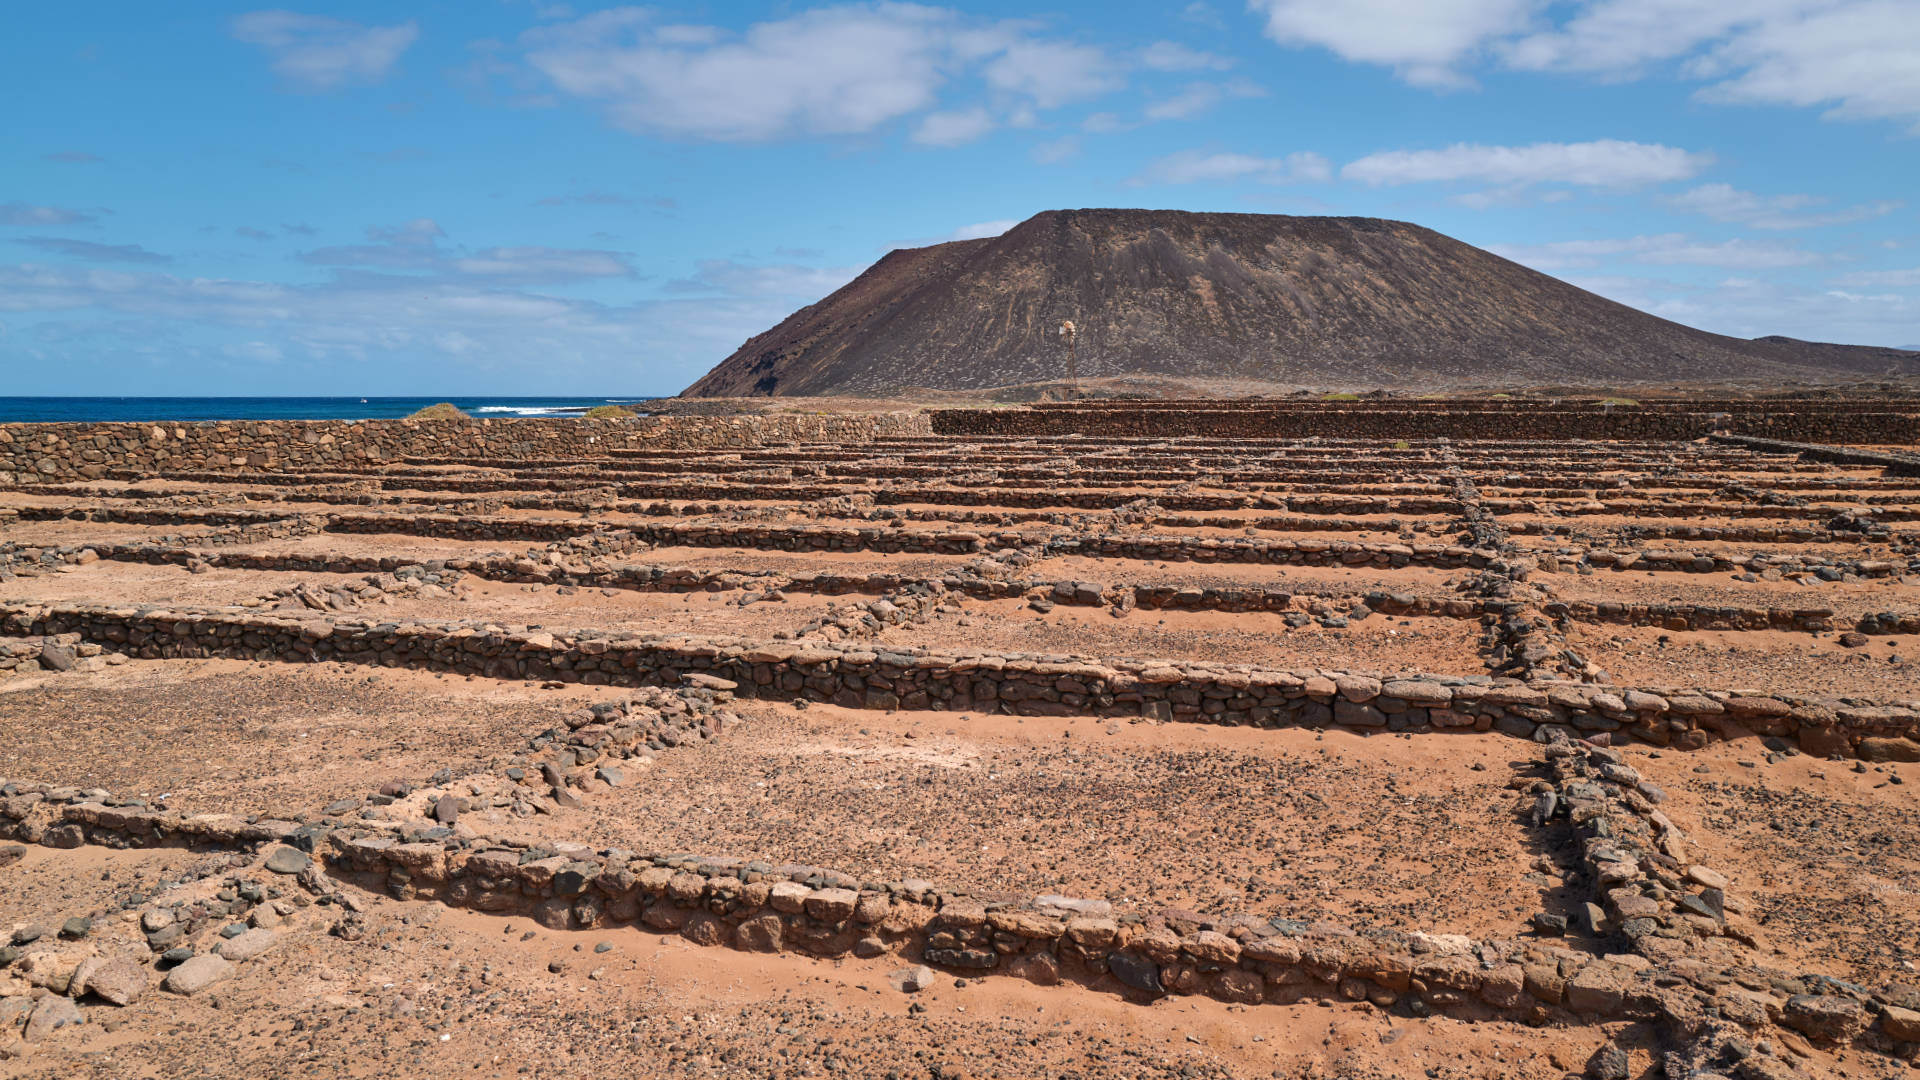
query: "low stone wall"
1632, 854
760, 907
1896, 464
1652, 530
65, 451
677, 579
1870, 422
1013, 683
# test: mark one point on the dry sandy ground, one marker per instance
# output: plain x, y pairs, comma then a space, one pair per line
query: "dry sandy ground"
435, 992
1408, 832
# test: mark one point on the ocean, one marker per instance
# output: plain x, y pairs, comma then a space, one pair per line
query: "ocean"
86, 409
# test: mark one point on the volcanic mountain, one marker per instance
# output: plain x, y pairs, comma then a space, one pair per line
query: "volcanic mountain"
1305, 300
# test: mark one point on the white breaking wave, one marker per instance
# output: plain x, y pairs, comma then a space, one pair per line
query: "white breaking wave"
534, 410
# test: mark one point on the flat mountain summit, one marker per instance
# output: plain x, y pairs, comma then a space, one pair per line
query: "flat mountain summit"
1260, 297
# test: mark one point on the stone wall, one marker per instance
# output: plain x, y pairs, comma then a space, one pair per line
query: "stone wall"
678, 579
1686, 953
1015, 683
760, 907
66, 451
1867, 422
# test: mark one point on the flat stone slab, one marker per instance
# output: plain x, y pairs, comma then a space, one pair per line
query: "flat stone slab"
249, 944
197, 974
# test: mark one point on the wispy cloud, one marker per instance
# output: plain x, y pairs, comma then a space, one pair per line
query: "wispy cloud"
762, 280
1602, 163
1665, 249
1197, 97
15, 213
953, 128
92, 252
1852, 57
1724, 202
980, 230
314, 53
1194, 167
1173, 56
1867, 279
831, 71
414, 247
1426, 41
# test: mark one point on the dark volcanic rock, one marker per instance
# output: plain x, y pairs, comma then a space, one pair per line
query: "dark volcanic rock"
1232, 296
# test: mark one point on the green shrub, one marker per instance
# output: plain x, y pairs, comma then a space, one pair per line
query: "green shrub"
1340, 397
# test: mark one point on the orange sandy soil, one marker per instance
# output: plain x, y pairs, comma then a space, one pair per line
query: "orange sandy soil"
1884, 669
1654, 587
1378, 643
1378, 831
1827, 854
1416, 832
429, 991
240, 736
494, 601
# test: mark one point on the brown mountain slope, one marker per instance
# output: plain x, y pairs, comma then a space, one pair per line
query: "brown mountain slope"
1234, 296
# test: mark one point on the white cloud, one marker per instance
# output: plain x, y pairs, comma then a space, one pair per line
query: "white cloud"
1193, 167
831, 71
414, 247
1724, 202
776, 280
1899, 279
1511, 195
313, 53
980, 230
1195, 98
1203, 13
953, 128
15, 213
542, 263
1853, 57
1665, 249
841, 70
1054, 73
1055, 151
1749, 308
1856, 57
1603, 163
1426, 41
1173, 56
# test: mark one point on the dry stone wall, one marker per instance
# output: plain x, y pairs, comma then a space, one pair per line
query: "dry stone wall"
69, 451
1032, 685
1867, 422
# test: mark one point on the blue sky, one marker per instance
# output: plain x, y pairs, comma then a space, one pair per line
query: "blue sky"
492, 196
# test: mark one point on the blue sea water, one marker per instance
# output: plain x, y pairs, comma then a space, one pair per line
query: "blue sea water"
89, 409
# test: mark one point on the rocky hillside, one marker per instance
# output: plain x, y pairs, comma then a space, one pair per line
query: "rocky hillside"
1309, 300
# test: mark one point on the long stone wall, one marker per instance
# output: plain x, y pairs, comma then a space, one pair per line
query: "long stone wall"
1867, 423
1685, 718
759, 907
1688, 957
677, 579
67, 451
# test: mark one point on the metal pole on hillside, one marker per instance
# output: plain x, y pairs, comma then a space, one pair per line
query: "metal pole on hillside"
1068, 331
